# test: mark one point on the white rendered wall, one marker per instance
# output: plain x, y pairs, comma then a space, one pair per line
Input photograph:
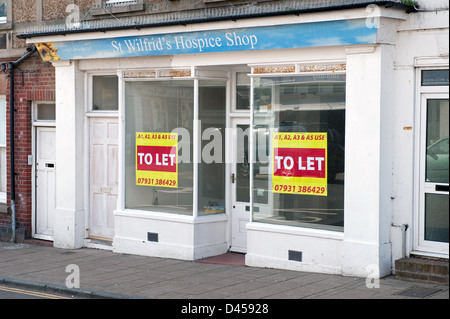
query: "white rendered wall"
180, 237
368, 166
422, 41
69, 225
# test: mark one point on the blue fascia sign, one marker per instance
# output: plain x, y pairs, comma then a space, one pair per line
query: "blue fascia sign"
313, 34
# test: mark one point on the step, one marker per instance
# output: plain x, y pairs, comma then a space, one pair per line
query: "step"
421, 269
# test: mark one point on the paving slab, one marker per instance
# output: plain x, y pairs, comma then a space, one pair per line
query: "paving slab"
105, 273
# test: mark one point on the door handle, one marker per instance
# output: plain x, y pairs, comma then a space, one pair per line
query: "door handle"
233, 178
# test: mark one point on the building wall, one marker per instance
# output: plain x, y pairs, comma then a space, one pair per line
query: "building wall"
423, 35
34, 81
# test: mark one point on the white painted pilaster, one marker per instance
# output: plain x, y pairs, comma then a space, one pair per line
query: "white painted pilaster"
368, 166
69, 218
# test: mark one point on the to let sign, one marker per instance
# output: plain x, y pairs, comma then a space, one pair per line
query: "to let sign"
156, 159
299, 163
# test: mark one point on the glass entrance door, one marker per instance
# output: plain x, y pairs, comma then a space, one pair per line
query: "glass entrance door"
434, 208
240, 184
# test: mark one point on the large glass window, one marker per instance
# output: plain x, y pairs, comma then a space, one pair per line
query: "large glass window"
299, 148
160, 151
211, 169
157, 109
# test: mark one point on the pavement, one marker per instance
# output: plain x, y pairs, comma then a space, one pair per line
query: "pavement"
98, 274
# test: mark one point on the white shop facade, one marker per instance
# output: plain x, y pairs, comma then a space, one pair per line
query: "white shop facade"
270, 136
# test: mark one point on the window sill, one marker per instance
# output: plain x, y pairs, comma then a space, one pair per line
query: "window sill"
119, 9
5, 26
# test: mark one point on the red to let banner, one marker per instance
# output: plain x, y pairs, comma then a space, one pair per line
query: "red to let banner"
299, 163
156, 159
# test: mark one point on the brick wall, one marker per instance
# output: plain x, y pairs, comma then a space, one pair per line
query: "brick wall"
34, 81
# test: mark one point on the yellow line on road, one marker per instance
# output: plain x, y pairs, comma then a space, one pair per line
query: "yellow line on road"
32, 293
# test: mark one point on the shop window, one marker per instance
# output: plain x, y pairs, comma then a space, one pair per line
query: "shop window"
160, 168
156, 109
211, 169
105, 96
299, 138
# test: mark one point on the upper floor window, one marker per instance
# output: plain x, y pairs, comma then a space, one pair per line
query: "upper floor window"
3, 11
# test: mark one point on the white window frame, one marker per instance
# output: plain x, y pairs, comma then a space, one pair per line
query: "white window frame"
195, 77
89, 89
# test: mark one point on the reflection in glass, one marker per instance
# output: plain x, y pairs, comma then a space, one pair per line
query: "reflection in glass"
211, 169
434, 77
242, 91
159, 106
302, 104
105, 93
437, 164
242, 165
436, 217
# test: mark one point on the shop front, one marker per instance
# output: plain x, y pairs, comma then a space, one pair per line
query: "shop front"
269, 137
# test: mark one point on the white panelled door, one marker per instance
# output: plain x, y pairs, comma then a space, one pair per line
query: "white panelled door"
45, 181
103, 158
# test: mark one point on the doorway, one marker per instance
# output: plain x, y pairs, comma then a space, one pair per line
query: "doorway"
434, 175
43, 161
240, 183
103, 172
45, 181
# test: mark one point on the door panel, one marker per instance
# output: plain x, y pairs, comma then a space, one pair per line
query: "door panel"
45, 180
103, 176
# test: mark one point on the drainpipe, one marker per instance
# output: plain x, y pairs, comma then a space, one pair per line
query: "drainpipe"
11, 66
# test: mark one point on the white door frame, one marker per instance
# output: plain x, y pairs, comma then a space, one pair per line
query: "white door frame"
237, 119
89, 117
426, 188
420, 246
35, 124
34, 212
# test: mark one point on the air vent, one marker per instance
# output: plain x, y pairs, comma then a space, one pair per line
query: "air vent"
152, 237
295, 255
